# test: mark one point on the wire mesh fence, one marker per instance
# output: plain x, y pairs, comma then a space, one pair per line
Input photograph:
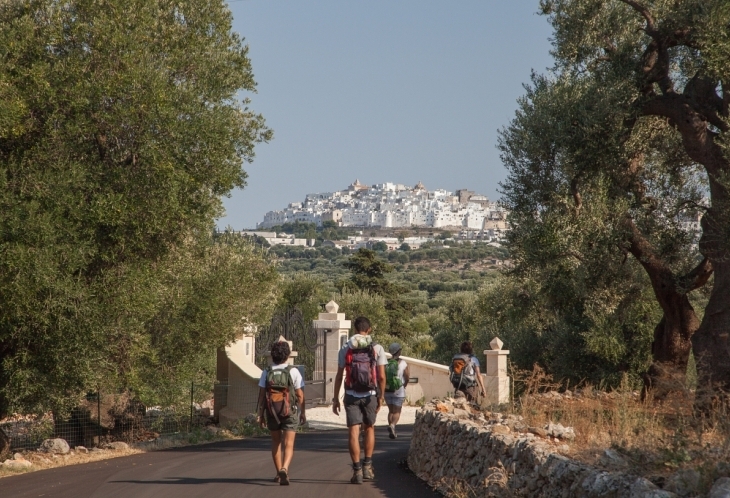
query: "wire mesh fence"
236, 399
103, 418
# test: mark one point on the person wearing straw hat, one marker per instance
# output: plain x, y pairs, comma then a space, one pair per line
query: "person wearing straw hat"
396, 380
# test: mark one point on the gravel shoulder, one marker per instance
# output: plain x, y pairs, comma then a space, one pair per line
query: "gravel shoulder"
321, 418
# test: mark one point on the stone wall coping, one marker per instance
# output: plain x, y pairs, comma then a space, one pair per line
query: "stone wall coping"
424, 363
331, 316
332, 324
497, 352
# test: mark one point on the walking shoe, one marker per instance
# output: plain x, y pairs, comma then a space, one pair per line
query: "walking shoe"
283, 477
391, 432
368, 473
357, 476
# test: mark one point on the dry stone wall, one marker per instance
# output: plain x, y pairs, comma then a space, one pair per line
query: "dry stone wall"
453, 445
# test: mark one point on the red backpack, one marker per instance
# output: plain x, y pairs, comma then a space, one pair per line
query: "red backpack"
361, 375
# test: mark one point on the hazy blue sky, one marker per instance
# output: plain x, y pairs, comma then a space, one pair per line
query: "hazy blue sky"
384, 91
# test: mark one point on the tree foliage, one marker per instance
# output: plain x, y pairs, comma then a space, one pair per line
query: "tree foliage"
305, 292
610, 156
120, 129
368, 272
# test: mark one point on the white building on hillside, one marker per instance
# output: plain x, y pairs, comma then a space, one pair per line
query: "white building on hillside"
392, 205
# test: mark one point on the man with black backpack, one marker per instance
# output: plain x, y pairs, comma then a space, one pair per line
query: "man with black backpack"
464, 372
362, 364
281, 407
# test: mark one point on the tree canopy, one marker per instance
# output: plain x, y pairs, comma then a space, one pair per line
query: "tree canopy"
120, 130
614, 155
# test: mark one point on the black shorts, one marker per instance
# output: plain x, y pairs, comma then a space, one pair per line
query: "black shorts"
361, 410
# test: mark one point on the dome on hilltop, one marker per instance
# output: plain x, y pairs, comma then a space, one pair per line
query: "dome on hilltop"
419, 186
358, 186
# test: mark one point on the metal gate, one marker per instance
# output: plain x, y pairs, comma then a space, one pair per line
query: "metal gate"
308, 342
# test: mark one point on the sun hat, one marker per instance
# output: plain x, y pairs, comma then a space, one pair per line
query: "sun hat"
394, 348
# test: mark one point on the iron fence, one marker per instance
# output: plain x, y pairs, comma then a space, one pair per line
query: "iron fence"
100, 419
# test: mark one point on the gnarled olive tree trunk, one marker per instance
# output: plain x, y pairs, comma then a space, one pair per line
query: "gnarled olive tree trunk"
710, 342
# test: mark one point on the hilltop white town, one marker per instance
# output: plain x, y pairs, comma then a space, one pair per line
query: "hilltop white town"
392, 205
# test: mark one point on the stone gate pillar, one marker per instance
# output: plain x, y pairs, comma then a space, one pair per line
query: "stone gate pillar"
336, 331
496, 381
293, 354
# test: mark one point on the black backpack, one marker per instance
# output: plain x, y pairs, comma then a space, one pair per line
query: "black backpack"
462, 372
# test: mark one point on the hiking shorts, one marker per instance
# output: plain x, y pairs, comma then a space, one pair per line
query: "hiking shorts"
470, 393
289, 423
361, 410
392, 399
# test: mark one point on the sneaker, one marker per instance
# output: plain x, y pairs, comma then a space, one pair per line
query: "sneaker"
283, 477
368, 473
391, 432
357, 476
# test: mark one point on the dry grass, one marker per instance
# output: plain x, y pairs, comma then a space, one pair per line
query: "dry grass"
655, 438
495, 486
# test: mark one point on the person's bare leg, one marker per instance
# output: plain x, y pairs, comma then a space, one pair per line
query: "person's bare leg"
354, 443
276, 449
394, 415
287, 448
369, 441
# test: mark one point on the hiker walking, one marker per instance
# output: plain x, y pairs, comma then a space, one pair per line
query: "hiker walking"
281, 407
397, 376
464, 373
363, 365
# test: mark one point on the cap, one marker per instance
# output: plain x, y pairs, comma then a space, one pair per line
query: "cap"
394, 348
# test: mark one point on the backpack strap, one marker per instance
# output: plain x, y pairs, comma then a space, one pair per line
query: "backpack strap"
292, 391
269, 369
461, 375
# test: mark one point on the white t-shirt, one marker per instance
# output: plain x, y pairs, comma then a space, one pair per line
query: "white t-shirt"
401, 391
380, 359
296, 376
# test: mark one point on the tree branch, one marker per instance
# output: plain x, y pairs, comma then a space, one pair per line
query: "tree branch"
698, 140
641, 248
577, 198
572, 254
650, 25
701, 90
698, 277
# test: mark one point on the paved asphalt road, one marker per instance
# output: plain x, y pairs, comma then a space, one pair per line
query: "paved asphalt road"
240, 469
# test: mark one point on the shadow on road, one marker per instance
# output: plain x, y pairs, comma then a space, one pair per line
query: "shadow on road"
255, 482
321, 469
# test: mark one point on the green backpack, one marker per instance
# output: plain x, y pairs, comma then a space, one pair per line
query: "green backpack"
392, 381
280, 393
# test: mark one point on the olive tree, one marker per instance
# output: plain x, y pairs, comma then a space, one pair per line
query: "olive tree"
121, 127
633, 120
